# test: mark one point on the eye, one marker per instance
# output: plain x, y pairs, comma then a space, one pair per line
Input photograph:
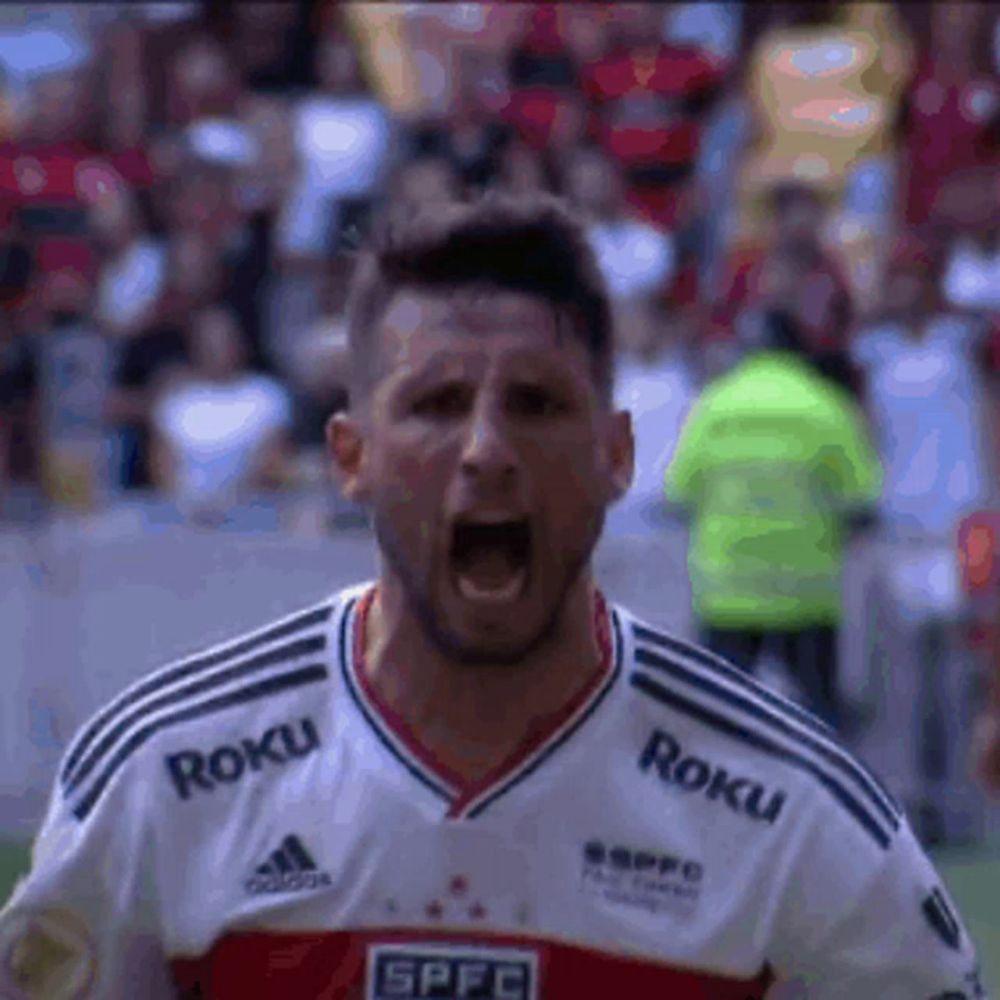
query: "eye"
536, 401
448, 401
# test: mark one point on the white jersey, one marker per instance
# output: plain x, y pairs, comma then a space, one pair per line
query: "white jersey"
253, 822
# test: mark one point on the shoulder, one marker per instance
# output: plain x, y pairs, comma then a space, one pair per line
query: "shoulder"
226, 689
707, 719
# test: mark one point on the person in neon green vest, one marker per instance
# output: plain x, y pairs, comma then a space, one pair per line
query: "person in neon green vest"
773, 466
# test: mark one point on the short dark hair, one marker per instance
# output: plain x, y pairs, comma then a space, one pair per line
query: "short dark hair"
530, 244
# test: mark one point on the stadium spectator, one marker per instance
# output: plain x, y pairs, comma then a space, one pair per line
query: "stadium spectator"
635, 257
926, 397
816, 292
204, 205
264, 182
540, 55
202, 82
342, 139
220, 431
545, 107
54, 167
133, 264
925, 392
195, 278
772, 462
651, 96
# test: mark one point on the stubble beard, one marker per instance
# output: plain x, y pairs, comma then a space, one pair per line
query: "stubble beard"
452, 645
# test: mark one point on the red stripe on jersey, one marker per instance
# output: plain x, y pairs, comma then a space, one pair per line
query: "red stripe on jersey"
332, 966
547, 728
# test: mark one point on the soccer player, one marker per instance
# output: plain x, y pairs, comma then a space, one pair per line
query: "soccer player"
476, 776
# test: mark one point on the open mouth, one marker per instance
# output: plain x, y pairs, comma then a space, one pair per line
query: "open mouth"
490, 561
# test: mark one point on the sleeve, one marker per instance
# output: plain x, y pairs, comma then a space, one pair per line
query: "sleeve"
84, 922
682, 475
893, 935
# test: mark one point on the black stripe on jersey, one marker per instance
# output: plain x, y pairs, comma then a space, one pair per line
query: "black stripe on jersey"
261, 689
777, 718
719, 665
542, 757
424, 779
280, 654
654, 689
170, 675
722, 666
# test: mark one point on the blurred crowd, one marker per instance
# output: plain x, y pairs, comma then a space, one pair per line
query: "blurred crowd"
183, 184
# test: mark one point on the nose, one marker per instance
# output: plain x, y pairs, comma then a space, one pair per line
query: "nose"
488, 454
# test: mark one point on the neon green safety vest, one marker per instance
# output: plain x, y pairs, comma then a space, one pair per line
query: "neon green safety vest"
769, 461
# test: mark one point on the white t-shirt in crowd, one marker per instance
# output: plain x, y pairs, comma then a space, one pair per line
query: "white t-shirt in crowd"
929, 417
215, 431
635, 258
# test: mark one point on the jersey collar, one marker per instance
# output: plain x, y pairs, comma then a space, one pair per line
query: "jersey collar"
469, 799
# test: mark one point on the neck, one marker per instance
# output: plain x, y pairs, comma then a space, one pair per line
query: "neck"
472, 717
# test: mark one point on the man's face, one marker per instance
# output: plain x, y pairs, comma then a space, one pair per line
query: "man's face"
488, 459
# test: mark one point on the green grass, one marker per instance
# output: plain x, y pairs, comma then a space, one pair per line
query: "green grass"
972, 877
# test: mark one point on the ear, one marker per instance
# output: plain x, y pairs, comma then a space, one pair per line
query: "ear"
621, 454
345, 442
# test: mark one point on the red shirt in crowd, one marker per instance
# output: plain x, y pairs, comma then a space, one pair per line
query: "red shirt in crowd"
48, 188
651, 102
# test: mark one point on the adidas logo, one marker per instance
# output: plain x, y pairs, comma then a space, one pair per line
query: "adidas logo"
288, 869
